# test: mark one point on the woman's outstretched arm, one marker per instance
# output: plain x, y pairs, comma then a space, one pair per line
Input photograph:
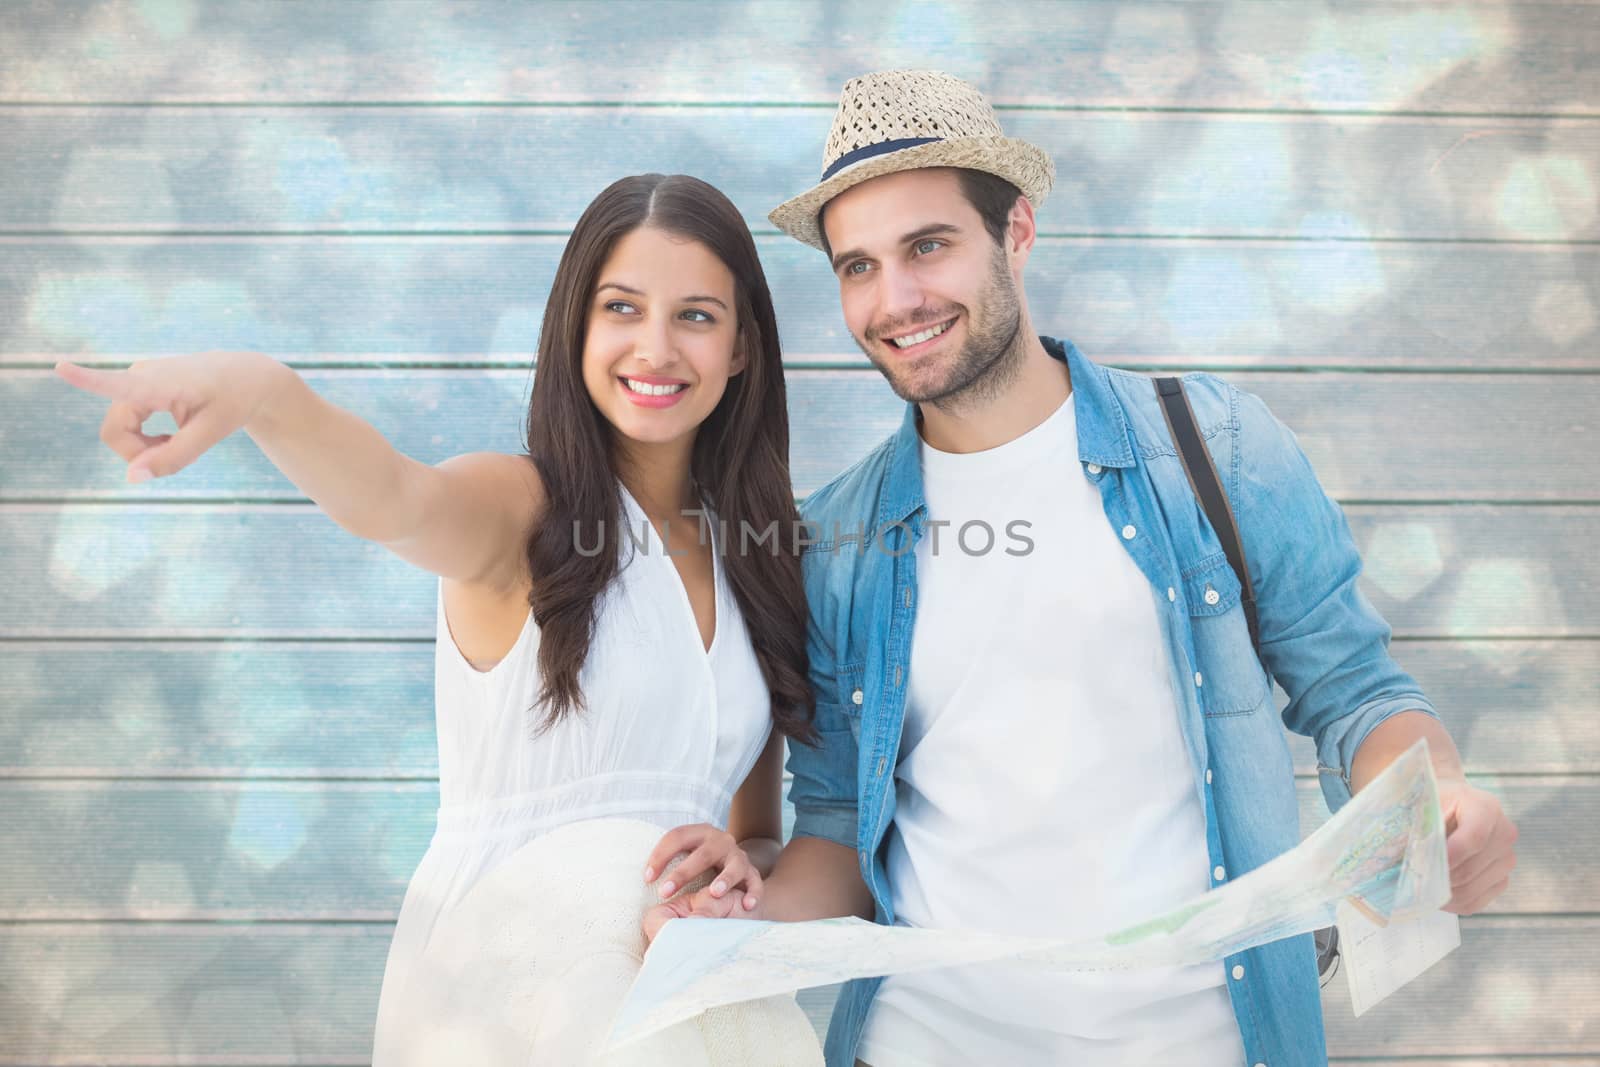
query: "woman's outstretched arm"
464, 519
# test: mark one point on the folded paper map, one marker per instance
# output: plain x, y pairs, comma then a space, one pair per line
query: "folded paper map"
1383, 853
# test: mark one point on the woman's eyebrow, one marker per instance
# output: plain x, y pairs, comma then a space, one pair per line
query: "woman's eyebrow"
696, 299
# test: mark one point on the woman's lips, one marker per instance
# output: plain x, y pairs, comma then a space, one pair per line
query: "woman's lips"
649, 400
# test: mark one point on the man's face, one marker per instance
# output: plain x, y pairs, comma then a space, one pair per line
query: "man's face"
926, 292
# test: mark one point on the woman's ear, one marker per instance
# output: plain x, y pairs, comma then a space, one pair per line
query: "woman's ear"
741, 353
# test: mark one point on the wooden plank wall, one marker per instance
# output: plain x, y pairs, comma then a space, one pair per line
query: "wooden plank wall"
217, 768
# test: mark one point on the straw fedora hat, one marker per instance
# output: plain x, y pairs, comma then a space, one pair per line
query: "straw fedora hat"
904, 119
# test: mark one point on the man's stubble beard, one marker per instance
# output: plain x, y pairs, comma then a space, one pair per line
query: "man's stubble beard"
990, 359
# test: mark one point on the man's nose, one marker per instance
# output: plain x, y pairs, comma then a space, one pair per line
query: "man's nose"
902, 293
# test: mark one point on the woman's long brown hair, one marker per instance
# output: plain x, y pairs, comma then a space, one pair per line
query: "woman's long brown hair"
740, 458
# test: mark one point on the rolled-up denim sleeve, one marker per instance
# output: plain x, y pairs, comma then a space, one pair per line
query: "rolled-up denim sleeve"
823, 789
1323, 641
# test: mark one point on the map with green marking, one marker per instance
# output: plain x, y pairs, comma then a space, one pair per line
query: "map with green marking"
1383, 851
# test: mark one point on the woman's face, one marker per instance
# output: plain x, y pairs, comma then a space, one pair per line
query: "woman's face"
661, 340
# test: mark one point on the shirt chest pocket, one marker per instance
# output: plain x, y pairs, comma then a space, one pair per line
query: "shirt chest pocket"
1229, 678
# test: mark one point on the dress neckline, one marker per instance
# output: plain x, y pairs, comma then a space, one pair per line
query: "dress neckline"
658, 548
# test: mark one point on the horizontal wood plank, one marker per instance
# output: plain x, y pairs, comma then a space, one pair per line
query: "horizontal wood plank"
116, 570
1513, 1060
212, 850
156, 993
476, 299
298, 710
361, 710
1521, 986
1509, 1060
1512, 707
345, 850
1475, 57
495, 169
289, 994
1369, 436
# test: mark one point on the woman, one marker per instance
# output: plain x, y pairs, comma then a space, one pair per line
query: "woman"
603, 652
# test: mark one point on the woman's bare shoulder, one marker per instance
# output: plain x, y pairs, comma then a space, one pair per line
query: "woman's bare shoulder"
487, 615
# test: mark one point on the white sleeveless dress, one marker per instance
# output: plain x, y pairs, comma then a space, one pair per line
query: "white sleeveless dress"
669, 732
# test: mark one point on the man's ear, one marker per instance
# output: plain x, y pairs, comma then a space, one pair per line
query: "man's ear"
1021, 230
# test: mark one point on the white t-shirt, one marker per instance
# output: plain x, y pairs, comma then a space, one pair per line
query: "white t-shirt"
1042, 787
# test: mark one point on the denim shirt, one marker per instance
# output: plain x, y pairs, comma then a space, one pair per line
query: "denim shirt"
1320, 638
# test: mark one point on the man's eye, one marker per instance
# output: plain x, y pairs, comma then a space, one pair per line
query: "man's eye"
858, 267
924, 247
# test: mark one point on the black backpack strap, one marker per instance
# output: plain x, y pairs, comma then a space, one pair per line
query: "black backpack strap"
1208, 489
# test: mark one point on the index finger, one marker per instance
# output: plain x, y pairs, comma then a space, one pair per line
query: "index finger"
113, 384
672, 843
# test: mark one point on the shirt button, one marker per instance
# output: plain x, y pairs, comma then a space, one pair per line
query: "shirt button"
1198, 680
907, 597
882, 763
1212, 596
1094, 468
1128, 533
1219, 874
898, 675
856, 698
1172, 594
1208, 776
1238, 972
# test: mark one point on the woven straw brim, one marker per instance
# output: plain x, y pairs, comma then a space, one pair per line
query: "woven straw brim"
1026, 166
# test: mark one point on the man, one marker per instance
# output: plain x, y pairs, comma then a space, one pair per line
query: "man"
1040, 708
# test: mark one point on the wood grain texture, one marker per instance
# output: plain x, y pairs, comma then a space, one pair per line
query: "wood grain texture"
450, 299
1474, 57
344, 709
1349, 189
144, 993
1528, 985
306, 994
264, 851
495, 169
255, 851
1469, 1061
362, 710
1475, 571
1369, 436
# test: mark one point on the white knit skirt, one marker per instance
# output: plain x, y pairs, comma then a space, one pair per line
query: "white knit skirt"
533, 963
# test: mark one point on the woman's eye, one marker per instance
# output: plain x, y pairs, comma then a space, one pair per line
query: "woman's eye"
696, 315
619, 306
924, 247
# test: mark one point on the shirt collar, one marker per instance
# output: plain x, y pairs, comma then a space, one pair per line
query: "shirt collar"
1102, 434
